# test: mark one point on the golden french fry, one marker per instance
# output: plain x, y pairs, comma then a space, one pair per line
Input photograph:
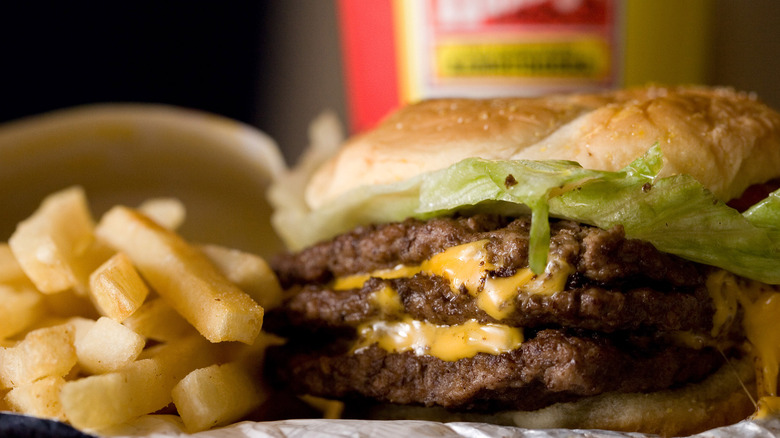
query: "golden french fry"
116, 288
108, 346
181, 274
20, 308
249, 272
142, 387
167, 212
80, 327
42, 353
155, 319
40, 398
108, 399
48, 243
215, 396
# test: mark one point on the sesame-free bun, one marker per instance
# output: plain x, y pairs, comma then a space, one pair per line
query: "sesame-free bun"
727, 140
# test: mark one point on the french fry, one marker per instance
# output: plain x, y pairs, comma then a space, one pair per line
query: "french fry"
108, 399
42, 353
142, 387
155, 319
215, 396
48, 243
167, 212
40, 398
19, 309
108, 346
181, 274
94, 255
81, 326
249, 272
116, 288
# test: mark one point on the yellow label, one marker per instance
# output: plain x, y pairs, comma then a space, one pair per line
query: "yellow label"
585, 58
448, 343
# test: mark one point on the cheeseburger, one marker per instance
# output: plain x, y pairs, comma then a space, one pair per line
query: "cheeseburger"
580, 261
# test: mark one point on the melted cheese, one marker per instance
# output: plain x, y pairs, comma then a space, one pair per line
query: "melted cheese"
761, 309
448, 343
763, 332
357, 281
388, 300
498, 295
767, 407
468, 268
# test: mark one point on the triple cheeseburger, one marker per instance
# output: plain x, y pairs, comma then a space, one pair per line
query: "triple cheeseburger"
568, 261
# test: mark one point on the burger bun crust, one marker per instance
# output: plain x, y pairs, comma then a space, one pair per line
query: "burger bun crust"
727, 140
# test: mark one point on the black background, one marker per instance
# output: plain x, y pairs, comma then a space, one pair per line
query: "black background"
274, 64
203, 55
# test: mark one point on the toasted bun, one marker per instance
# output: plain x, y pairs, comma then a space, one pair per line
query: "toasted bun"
722, 399
726, 139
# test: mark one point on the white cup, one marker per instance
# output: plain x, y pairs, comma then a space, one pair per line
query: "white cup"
127, 153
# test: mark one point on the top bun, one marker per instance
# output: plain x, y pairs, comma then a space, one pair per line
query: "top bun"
727, 140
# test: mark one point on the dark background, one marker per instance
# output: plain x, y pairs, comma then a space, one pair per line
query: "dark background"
196, 54
274, 64
234, 58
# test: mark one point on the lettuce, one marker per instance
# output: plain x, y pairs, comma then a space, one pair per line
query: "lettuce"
676, 214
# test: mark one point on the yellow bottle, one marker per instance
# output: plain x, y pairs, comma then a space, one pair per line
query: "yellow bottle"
667, 41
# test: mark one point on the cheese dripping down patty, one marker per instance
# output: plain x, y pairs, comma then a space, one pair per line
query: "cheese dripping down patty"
466, 267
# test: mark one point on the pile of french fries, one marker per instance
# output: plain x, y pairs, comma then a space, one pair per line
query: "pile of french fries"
101, 323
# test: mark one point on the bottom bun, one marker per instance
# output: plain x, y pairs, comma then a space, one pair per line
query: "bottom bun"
725, 397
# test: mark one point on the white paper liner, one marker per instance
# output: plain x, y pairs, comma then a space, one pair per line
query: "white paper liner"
170, 426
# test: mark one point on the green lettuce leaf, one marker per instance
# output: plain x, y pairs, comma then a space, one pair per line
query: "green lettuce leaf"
766, 213
676, 214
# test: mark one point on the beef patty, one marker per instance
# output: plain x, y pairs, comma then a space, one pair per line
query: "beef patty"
552, 366
616, 325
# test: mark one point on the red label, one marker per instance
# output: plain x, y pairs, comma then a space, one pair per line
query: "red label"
369, 50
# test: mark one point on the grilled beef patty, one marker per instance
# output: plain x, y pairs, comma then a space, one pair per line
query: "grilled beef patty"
603, 256
553, 366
